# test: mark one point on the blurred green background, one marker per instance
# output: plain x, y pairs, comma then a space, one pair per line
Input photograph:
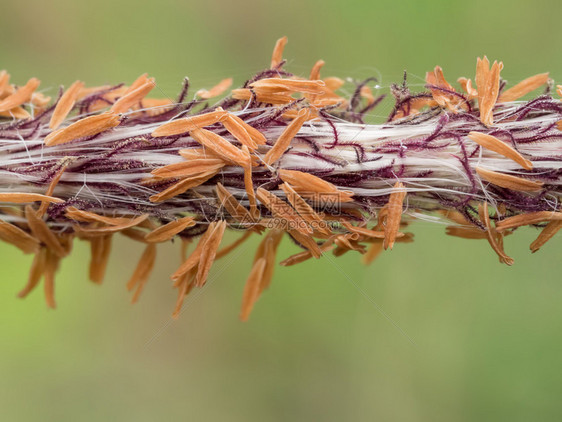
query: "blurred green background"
330, 340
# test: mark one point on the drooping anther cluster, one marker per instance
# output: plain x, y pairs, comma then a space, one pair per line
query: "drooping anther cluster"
282, 156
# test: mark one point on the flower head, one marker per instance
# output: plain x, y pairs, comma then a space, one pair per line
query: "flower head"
281, 156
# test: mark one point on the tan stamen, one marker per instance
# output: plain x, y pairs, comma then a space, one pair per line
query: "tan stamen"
256, 136
65, 104
509, 182
133, 97
189, 168
17, 237
208, 253
267, 249
215, 91
51, 266
286, 137
91, 217
182, 186
219, 146
494, 144
283, 211
132, 222
306, 255
186, 124
185, 285
142, 271
466, 232
306, 183
466, 85
528, 219
492, 235
43, 233
307, 242
488, 85
89, 126
315, 72
275, 85
35, 273
192, 261
545, 235
249, 183
231, 204
168, 231
22, 198
21, 96
45, 205
305, 210
372, 253
100, 249
4, 83
252, 288
375, 234
524, 87
394, 214
269, 98
140, 81
277, 56
238, 130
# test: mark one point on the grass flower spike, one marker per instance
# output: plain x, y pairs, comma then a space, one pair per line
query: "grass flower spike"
281, 156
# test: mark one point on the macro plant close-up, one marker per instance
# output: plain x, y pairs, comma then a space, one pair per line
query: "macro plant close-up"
350, 233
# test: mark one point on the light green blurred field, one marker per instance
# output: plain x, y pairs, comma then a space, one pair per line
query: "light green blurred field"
436, 330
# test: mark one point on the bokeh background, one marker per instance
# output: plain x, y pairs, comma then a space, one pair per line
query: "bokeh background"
436, 330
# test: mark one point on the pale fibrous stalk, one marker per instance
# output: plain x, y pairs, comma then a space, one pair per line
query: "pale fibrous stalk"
282, 156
